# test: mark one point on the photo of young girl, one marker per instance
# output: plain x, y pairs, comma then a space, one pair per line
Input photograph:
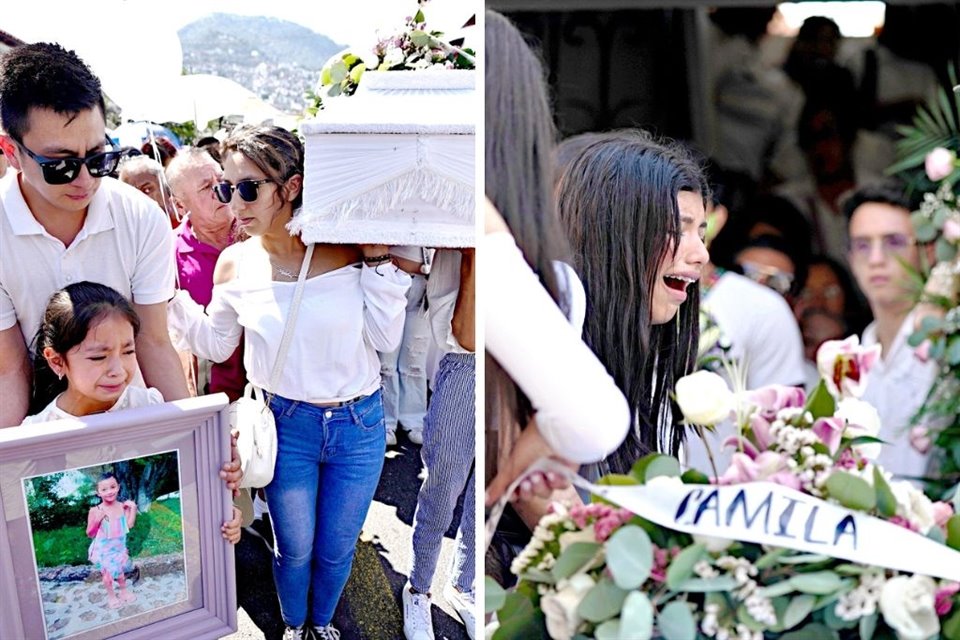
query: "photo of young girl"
108, 523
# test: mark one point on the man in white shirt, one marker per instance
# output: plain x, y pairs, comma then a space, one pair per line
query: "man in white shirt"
881, 240
62, 223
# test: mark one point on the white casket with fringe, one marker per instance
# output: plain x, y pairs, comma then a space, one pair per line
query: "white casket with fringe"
394, 163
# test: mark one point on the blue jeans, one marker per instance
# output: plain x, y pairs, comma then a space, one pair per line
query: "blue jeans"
328, 465
404, 370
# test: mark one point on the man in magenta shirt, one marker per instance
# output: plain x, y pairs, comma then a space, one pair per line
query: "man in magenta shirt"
208, 228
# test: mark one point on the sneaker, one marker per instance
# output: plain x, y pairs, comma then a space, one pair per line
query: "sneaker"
327, 632
416, 435
391, 437
295, 633
465, 605
417, 620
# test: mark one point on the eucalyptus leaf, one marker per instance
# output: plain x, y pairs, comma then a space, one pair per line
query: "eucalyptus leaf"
636, 617
420, 38
574, 558
629, 556
851, 491
747, 620
602, 602
518, 619
662, 466
798, 610
953, 350
819, 582
639, 468
951, 627
832, 620
771, 558
707, 585
804, 558
820, 403
609, 630
814, 631
886, 501
781, 588
676, 622
681, 568
925, 231
494, 596
946, 251
338, 71
868, 624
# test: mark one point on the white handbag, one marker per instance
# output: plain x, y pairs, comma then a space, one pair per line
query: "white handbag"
251, 417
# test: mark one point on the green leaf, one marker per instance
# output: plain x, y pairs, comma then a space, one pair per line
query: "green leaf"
946, 251
676, 622
420, 38
681, 568
916, 338
629, 556
868, 624
574, 558
602, 602
832, 620
804, 558
771, 558
818, 583
815, 631
418, 18
886, 501
616, 479
820, 403
338, 71
925, 231
776, 589
798, 610
707, 585
851, 491
850, 569
639, 468
951, 628
357, 72
694, 476
662, 466
494, 596
636, 618
609, 630
953, 351
518, 619
744, 617
953, 531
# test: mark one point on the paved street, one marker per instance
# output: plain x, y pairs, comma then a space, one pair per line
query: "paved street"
371, 607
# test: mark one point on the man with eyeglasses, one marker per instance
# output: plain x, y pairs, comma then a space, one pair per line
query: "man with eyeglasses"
882, 245
62, 222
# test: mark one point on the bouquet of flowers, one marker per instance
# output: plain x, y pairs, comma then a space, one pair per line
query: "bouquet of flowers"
798, 511
412, 48
929, 162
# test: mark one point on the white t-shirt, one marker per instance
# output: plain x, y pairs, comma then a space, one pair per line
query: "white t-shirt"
125, 243
764, 338
897, 386
443, 286
131, 398
345, 317
581, 413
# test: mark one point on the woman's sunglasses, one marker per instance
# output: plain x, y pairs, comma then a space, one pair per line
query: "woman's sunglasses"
66, 170
248, 190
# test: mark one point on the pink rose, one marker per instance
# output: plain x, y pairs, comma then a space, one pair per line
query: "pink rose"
939, 163
951, 229
942, 511
943, 600
920, 439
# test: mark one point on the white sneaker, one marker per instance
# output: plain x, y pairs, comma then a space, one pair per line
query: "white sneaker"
465, 605
415, 435
417, 621
391, 437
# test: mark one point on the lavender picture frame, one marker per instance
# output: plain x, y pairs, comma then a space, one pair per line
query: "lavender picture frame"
198, 430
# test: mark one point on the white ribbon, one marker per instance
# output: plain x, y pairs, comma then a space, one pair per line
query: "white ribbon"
768, 514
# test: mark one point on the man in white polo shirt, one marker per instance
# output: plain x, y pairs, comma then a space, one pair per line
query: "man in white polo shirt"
61, 222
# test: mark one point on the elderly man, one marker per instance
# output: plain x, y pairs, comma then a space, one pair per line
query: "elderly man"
146, 175
208, 227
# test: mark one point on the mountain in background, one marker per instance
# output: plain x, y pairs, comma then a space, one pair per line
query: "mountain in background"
277, 60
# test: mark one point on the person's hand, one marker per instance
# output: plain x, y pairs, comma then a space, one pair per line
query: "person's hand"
231, 530
230, 472
129, 505
528, 448
374, 250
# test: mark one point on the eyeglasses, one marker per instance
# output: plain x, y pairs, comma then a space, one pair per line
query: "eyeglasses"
66, 170
890, 244
248, 190
779, 281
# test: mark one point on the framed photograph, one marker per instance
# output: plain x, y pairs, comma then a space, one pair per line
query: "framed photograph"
110, 525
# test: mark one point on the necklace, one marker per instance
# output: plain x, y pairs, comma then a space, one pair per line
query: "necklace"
283, 272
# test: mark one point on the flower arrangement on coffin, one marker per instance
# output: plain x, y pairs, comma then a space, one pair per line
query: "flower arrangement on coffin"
410, 49
928, 161
603, 571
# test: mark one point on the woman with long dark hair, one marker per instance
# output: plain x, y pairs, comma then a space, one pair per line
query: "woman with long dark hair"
633, 208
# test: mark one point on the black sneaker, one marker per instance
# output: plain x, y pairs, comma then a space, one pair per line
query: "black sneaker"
324, 633
296, 633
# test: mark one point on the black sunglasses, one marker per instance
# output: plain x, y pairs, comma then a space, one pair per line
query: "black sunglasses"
248, 190
66, 170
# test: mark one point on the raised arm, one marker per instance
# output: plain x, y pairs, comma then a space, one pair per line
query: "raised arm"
15, 377
384, 299
465, 310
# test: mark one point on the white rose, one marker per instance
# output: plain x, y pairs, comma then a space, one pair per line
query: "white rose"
560, 608
913, 505
393, 56
713, 545
583, 535
907, 604
862, 420
704, 398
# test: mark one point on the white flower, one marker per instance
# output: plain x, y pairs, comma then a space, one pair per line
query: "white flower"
704, 398
907, 604
583, 535
862, 420
913, 505
393, 56
713, 545
560, 608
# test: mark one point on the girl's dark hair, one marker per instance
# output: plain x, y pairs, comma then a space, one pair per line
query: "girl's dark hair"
106, 475
70, 314
618, 201
276, 151
519, 141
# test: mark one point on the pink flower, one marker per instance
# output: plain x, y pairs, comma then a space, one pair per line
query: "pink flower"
830, 431
942, 511
943, 600
768, 466
772, 398
903, 522
847, 460
922, 352
951, 229
939, 163
844, 365
920, 439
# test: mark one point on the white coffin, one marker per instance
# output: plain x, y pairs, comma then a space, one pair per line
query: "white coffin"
393, 164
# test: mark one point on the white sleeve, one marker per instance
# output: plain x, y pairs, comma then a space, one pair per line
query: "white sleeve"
384, 305
775, 347
213, 335
581, 413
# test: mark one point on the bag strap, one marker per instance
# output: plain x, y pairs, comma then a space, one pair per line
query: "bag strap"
291, 321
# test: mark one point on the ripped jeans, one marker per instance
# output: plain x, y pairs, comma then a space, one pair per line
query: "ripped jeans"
404, 370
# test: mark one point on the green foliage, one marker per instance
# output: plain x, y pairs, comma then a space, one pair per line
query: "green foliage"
519, 618
676, 622
636, 619
629, 556
820, 403
602, 602
653, 465
574, 558
851, 491
494, 596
